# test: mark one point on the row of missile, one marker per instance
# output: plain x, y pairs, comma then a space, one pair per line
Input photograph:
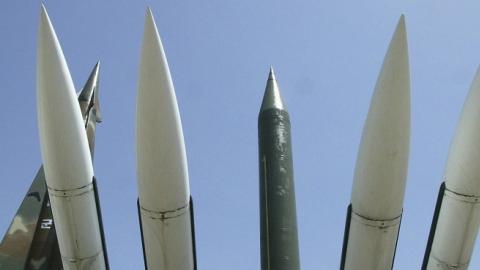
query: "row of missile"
376, 207
165, 206
375, 212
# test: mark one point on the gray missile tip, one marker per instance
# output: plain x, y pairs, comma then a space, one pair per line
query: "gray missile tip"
271, 74
272, 98
87, 91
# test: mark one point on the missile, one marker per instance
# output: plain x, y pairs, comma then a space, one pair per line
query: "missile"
375, 211
457, 213
66, 157
278, 218
164, 205
31, 241
90, 106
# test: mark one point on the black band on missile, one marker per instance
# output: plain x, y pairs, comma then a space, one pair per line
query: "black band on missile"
433, 228
347, 232
100, 222
345, 236
141, 233
192, 226
396, 241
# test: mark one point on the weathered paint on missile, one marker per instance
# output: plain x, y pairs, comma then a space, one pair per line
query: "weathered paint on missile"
65, 153
459, 217
278, 219
381, 169
162, 174
22, 235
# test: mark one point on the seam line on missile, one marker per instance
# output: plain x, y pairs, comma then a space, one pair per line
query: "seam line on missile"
70, 192
472, 199
162, 215
377, 223
444, 264
78, 260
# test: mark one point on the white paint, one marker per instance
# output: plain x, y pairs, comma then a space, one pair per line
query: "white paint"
66, 156
381, 170
162, 172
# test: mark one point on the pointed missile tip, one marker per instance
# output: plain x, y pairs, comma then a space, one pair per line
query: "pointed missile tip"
45, 24
150, 21
271, 74
149, 13
96, 68
43, 13
272, 98
401, 28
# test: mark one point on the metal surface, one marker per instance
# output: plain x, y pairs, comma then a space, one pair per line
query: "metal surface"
20, 243
381, 169
162, 173
459, 215
66, 157
433, 227
31, 241
278, 221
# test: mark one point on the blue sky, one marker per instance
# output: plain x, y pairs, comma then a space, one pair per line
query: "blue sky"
326, 54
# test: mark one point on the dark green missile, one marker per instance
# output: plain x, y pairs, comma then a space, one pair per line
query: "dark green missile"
278, 217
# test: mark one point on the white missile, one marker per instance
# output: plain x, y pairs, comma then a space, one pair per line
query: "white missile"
459, 209
66, 156
162, 174
373, 219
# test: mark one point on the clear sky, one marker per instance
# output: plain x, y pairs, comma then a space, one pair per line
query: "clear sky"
326, 54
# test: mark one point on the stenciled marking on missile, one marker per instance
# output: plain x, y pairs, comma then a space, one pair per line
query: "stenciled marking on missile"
70, 192
377, 223
46, 224
162, 215
264, 162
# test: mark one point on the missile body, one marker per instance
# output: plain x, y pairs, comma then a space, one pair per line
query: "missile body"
457, 218
31, 241
66, 157
165, 207
278, 221
374, 215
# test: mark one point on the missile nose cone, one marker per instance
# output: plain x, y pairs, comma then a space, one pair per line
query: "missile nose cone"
161, 157
462, 170
272, 98
380, 174
271, 74
87, 91
63, 140
89, 95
